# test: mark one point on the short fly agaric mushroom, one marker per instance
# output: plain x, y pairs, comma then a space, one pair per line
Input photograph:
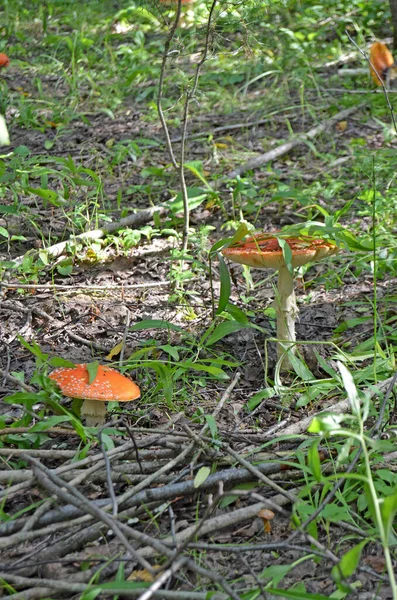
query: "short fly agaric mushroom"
4, 60
263, 251
108, 385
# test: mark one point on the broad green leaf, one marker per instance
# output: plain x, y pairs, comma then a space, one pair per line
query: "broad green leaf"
388, 509
287, 253
212, 425
171, 350
350, 388
92, 369
295, 595
49, 195
33, 348
325, 366
314, 461
276, 573
155, 324
349, 562
237, 314
57, 361
225, 285
50, 422
196, 196
257, 398
222, 330
196, 167
115, 351
210, 369
326, 423
201, 475
241, 232
300, 368
107, 440
4, 135
90, 594
122, 586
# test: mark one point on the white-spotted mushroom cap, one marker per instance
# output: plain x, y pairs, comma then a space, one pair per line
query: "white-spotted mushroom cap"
264, 252
108, 385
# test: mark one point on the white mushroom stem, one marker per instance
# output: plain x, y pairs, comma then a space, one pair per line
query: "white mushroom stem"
287, 312
94, 412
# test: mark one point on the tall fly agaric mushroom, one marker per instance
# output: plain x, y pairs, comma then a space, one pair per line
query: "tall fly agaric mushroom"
108, 385
263, 251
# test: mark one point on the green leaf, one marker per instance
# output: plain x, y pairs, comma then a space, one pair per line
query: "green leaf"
90, 594
325, 423
210, 369
388, 509
237, 314
314, 461
196, 167
225, 285
257, 398
92, 369
287, 254
212, 425
350, 388
107, 440
300, 368
48, 195
50, 422
122, 586
171, 350
348, 563
4, 136
3, 231
33, 348
276, 573
201, 475
196, 196
57, 361
155, 324
296, 595
222, 330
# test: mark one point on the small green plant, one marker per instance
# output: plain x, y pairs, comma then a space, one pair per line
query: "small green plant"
380, 508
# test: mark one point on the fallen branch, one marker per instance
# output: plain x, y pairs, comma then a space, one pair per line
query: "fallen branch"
339, 407
263, 159
135, 220
78, 588
229, 477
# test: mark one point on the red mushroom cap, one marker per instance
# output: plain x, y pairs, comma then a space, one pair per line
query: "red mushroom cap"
264, 252
108, 385
4, 60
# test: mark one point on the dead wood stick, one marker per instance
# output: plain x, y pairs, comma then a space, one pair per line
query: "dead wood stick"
229, 477
55, 287
55, 430
15, 380
135, 220
262, 159
219, 522
339, 407
35, 593
121, 452
68, 493
152, 478
79, 588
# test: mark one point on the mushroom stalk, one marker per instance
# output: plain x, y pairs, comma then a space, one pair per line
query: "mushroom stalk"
287, 311
94, 412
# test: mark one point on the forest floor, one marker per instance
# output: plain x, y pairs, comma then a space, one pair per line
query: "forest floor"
171, 488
